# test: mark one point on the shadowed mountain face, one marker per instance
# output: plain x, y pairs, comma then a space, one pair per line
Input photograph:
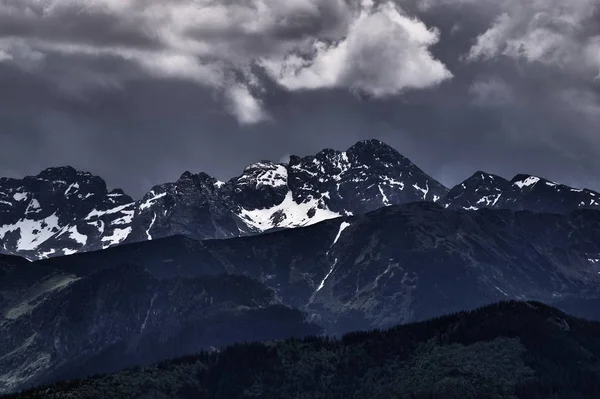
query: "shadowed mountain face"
62, 211
57, 325
522, 350
394, 265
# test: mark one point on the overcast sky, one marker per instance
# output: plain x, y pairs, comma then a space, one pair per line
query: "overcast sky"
138, 91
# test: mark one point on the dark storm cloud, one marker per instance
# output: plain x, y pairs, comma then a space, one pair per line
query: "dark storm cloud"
68, 24
138, 96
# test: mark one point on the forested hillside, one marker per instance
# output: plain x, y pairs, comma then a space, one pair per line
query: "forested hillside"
505, 350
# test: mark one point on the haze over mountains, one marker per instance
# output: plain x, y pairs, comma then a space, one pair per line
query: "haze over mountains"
338, 242
63, 211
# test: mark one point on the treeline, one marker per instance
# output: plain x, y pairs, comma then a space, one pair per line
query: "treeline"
506, 350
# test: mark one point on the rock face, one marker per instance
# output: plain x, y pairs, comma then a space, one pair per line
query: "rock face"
62, 211
59, 212
269, 196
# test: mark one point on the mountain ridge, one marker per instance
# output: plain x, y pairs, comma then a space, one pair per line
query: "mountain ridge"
265, 196
62, 211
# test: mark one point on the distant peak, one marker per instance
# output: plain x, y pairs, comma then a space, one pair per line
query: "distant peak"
117, 191
66, 173
58, 170
372, 144
186, 175
486, 177
261, 165
196, 177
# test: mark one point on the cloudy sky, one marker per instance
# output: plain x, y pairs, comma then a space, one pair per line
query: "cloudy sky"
138, 91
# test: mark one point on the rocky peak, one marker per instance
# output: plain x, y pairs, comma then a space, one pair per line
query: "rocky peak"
375, 151
56, 212
522, 192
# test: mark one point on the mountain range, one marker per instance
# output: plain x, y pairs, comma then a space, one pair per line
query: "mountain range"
328, 244
62, 211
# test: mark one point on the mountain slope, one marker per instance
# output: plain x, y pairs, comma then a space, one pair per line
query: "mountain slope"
397, 264
123, 317
173, 296
506, 350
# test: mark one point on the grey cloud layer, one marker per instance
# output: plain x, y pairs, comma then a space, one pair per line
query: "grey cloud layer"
155, 87
302, 44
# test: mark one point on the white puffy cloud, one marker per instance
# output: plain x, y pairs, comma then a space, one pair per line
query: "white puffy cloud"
302, 44
244, 105
563, 34
384, 53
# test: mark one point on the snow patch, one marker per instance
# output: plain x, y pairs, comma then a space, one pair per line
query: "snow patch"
384, 197
320, 287
20, 197
276, 176
288, 214
117, 237
150, 201
530, 181
393, 182
96, 213
150, 227
127, 218
423, 190
342, 163
33, 207
46, 255
32, 232
343, 226
76, 236
73, 186
489, 200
